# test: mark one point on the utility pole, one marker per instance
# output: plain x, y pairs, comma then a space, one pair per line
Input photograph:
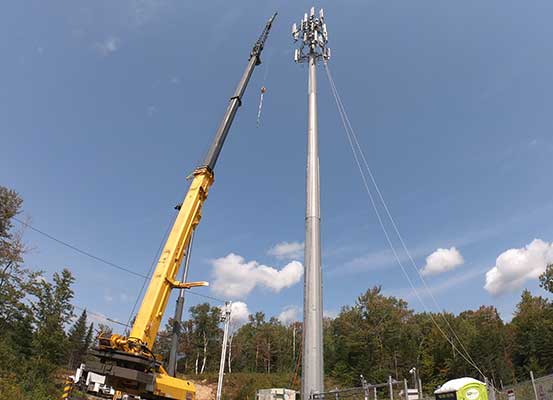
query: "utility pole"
177, 320
312, 36
226, 319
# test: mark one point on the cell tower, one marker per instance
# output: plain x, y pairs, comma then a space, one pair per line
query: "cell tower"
312, 37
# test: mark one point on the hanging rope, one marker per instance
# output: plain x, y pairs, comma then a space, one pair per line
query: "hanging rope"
358, 153
262, 92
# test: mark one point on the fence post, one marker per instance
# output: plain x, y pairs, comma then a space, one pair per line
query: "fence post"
375, 394
391, 387
405, 389
420, 388
534, 385
365, 387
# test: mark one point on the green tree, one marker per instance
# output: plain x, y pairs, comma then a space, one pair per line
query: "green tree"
546, 279
89, 338
206, 335
16, 282
532, 329
77, 341
485, 338
376, 337
11, 247
162, 345
33, 315
53, 311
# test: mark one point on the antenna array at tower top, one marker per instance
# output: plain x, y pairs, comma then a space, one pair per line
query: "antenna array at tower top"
313, 37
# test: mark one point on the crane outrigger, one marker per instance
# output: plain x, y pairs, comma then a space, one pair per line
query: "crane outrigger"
128, 361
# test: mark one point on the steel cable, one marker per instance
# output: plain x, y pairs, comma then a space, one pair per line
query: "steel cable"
350, 133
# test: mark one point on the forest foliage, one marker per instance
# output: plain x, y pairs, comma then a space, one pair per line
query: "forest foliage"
38, 333
379, 336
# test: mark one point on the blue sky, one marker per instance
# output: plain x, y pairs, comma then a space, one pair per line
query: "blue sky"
107, 107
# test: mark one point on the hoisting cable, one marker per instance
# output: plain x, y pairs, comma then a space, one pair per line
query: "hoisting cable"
262, 92
352, 138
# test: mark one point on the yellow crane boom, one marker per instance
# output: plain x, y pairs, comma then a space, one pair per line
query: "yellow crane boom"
128, 362
148, 319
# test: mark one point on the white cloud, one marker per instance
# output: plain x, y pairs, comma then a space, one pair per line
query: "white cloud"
515, 266
235, 278
442, 260
287, 250
108, 46
289, 314
239, 313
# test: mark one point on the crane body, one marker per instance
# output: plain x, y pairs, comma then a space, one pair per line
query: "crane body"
128, 361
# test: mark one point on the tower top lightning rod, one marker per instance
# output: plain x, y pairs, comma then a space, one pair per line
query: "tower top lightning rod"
312, 37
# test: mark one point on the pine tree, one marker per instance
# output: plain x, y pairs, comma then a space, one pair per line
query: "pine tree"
53, 310
76, 341
89, 339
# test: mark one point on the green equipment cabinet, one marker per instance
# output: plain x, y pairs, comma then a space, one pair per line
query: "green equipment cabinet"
462, 389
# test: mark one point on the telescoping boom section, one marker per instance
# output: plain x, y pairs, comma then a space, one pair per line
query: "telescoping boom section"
128, 361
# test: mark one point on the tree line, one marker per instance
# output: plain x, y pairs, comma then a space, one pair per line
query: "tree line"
38, 330
378, 336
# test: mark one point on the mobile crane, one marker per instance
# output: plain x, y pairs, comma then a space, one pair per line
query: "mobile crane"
128, 361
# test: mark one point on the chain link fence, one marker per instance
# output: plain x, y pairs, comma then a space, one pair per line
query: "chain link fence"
533, 389
391, 390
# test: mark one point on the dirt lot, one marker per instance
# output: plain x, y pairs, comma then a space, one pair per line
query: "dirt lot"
205, 391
